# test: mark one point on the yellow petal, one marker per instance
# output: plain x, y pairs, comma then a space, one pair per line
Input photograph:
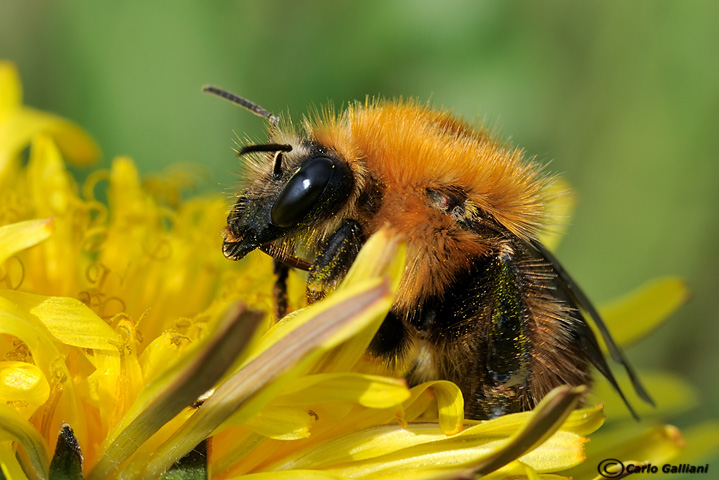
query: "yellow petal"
425, 473
178, 387
297, 320
702, 443
290, 475
9, 465
63, 407
18, 124
103, 383
21, 125
238, 450
456, 456
361, 445
641, 311
24, 385
10, 88
383, 255
68, 319
559, 209
77, 146
368, 390
584, 421
117, 379
633, 444
280, 423
389, 448
520, 470
450, 404
544, 420
125, 196
562, 450
673, 394
163, 351
19, 236
34, 454
454, 453
422, 404
320, 327
51, 186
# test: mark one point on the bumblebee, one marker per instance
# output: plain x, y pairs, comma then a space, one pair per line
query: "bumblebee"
482, 302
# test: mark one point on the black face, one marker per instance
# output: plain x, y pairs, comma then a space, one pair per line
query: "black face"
316, 190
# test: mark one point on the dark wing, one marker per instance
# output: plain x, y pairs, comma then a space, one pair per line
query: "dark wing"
589, 343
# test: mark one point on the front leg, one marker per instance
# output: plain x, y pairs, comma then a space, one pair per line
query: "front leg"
279, 289
337, 256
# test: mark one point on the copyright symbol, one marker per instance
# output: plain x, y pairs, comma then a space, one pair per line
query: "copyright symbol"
610, 468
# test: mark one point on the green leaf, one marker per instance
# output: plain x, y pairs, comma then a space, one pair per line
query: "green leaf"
67, 462
192, 466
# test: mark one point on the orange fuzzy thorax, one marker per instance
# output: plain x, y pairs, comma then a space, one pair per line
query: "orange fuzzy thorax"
410, 148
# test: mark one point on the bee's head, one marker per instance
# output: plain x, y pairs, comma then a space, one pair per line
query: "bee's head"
293, 186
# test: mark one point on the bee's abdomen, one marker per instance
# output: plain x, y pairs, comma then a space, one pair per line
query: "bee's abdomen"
490, 334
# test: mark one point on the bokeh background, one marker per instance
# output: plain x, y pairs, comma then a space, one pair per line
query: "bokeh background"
621, 97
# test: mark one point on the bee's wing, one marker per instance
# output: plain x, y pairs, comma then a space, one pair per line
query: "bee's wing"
588, 342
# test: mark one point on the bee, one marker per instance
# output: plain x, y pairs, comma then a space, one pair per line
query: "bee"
481, 302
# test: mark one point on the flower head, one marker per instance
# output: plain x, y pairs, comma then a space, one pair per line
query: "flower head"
131, 346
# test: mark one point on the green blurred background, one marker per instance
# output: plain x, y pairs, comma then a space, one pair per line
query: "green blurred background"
622, 97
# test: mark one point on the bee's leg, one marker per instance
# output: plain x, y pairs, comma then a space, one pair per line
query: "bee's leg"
392, 339
279, 290
337, 257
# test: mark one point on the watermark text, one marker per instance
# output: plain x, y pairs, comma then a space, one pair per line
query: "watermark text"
613, 468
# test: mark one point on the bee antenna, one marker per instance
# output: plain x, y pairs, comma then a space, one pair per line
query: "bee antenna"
265, 147
244, 103
278, 148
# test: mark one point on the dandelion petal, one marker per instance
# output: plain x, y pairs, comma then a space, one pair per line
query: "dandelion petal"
19, 236
19, 124
640, 312
558, 209
371, 391
24, 384
34, 454
10, 88
554, 408
68, 319
179, 387
282, 360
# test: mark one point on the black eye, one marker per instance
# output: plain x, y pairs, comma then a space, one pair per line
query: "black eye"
320, 182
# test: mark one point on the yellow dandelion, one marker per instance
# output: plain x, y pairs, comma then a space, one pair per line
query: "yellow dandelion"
132, 349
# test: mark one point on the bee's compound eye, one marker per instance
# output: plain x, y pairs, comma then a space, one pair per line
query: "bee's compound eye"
302, 192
